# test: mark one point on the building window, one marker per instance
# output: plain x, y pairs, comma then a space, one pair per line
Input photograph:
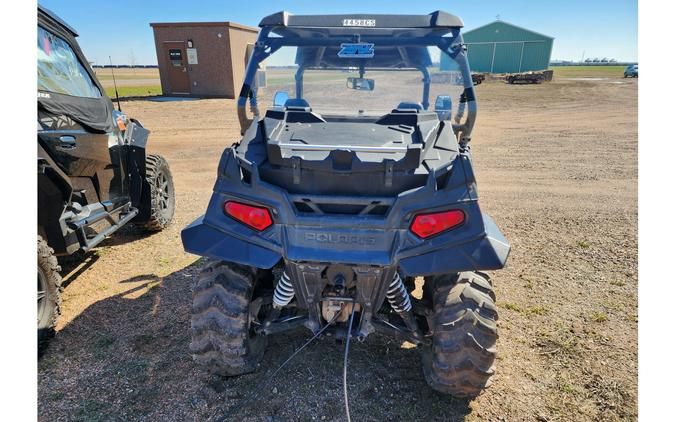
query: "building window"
176, 57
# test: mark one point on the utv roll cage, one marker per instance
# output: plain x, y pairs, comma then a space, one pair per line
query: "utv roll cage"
403, 39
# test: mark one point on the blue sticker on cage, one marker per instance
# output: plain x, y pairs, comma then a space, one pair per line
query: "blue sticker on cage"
356, 50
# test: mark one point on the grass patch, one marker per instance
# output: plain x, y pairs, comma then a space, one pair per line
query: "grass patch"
534, 310
537, 310
127, 74
597, 316
91, 410
513, 307
560, 344
618, 283
583, 244
49, 362
587, 71
134, 91
568, 389
100, 346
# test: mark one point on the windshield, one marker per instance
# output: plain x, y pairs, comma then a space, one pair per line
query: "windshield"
360, 72
338, 87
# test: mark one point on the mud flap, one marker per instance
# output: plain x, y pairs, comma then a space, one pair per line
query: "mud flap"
135, 139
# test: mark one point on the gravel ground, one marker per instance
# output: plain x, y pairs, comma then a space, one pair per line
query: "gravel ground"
557, 169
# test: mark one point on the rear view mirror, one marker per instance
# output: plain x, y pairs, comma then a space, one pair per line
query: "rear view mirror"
280, 98
443, 107
361, 84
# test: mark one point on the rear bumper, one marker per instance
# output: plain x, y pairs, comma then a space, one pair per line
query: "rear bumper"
488, 251
361, 239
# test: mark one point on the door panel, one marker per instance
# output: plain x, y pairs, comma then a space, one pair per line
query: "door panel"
97, 157
176, 60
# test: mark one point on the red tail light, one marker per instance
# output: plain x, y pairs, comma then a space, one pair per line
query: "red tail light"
255, 217
426, 225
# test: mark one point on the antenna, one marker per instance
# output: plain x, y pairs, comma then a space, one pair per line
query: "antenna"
117, 96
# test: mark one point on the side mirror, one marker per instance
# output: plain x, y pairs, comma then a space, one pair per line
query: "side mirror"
443, 107
280, 98
361, 84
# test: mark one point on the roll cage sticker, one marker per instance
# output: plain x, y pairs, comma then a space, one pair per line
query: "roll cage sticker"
358, 22
356, 50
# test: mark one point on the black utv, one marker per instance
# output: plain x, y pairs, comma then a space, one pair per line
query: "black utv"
93, 172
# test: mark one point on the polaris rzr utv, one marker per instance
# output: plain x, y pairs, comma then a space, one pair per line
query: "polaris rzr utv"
349, 198
93, 173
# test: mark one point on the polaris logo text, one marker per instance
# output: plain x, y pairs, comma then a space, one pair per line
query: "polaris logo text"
347, 239
358, 22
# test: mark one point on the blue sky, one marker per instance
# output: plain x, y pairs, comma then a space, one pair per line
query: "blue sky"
600, 28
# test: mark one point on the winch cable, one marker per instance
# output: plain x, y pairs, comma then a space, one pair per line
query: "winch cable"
344, 364
259, 387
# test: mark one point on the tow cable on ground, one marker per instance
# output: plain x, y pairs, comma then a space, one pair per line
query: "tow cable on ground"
260, 386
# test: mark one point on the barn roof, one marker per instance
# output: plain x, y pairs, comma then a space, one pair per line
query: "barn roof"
508, 24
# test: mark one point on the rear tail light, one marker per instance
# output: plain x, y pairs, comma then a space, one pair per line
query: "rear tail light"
257, 218
427, 225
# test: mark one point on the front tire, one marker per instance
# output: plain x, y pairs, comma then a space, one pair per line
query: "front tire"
162, 194
222, 339
49, 293
461, 359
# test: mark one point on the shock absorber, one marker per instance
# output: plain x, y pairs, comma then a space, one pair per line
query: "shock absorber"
283, 294
398, 298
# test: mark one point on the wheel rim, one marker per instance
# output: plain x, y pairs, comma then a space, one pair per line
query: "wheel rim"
163, 191
43, 296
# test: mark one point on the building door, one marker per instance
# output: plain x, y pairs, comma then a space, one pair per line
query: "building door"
507, 57
174, 53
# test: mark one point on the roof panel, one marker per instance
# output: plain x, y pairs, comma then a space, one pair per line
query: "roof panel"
502, 31
437, 19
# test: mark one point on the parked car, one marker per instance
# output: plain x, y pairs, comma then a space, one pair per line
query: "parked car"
631, 71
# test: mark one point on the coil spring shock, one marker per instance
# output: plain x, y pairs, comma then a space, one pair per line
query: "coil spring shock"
398, 296
283, 293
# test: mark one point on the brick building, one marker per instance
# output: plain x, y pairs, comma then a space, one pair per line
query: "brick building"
202, 58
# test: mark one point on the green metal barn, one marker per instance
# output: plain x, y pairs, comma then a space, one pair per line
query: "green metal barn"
501, 47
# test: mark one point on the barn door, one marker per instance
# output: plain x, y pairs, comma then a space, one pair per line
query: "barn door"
176, 61
507, 57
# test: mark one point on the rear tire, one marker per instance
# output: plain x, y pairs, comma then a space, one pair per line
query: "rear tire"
49, 293
461, 359
162, 195
222, 339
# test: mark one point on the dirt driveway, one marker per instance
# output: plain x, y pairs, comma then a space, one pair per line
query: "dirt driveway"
557, 169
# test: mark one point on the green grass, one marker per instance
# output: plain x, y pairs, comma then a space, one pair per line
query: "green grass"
597, 316
134, 91
513, 307
587, 71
